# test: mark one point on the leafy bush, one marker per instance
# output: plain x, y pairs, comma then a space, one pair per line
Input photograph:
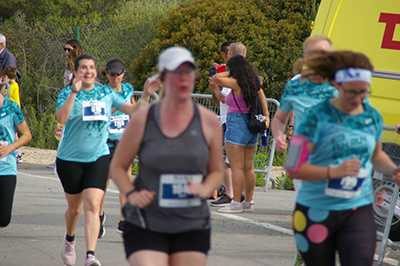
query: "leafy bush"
284, 181
42, 128
272, 30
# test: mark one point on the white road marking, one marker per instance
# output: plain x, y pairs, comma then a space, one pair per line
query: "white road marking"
250, 221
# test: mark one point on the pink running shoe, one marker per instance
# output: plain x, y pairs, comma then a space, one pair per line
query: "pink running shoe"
68, 254
92, 261
231, 208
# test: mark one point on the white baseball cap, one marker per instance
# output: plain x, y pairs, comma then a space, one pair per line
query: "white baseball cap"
172, 57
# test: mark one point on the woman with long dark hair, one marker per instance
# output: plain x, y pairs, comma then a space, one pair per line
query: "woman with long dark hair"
70, 45
239, 141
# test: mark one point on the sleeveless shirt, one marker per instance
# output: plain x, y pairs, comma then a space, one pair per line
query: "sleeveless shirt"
161, 159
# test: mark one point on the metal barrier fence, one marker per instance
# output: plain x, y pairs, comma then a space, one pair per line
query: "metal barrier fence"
386, 209
263, 155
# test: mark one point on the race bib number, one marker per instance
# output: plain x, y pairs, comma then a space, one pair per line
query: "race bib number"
118, 123
174, 191
347, 187
94, 111
5, 143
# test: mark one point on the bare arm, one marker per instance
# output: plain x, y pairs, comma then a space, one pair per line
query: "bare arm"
149, 88
216, 92
312, 172
23, 139
224, 79
265, 106
278, 129
64, 112
382, 163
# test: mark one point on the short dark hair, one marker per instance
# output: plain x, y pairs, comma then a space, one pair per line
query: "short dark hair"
10, 71
225, 47
82, 57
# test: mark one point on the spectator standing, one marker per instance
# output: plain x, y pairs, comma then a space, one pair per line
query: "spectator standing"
72, 44
218, 95
6, 57
239, 141
10, 76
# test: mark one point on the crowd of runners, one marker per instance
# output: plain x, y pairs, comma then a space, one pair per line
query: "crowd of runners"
185, 153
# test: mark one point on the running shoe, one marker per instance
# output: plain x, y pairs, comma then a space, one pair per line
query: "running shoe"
231, 208
222, 201
248, 206
68, 254
102, 230
92, 261
121, 224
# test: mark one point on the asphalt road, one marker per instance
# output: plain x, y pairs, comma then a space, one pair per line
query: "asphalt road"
35, 234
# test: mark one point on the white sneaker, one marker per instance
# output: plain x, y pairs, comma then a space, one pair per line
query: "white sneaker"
231, 208
248, 206
68, 254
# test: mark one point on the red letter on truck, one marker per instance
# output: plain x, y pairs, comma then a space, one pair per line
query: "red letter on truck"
391, 20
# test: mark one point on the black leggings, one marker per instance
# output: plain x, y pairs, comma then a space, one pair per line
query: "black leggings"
319, 233
7, 189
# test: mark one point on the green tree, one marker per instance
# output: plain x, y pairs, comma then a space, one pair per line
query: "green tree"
61, 11
272, 30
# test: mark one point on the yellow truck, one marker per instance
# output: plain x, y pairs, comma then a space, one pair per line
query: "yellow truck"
373, 28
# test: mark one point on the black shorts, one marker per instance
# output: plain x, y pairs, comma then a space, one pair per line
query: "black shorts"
137, 238
112, 149
75, 176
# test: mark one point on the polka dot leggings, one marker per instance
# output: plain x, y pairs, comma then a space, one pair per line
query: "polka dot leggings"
319, 233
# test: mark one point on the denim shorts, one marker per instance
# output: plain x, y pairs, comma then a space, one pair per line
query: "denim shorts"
237, 130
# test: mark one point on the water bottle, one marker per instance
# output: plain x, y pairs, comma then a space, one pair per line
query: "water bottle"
264, 139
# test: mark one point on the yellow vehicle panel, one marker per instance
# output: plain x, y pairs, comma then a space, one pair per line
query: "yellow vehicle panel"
373, 28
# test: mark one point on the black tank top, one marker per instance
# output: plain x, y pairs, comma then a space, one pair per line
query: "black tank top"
165, 164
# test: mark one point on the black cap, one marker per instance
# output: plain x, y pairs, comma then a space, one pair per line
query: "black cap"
115, 66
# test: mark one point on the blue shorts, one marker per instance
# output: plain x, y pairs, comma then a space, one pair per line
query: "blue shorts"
237, 130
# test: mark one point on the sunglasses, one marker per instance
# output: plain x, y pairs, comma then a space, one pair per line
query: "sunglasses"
67, 49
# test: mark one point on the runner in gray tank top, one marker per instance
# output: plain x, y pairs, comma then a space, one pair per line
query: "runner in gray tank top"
168, 221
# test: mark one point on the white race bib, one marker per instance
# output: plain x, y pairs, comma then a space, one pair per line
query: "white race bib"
346, 187
94, 111
174, 192
118, 123
5, 143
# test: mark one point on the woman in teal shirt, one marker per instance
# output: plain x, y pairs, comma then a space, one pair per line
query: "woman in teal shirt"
343, 137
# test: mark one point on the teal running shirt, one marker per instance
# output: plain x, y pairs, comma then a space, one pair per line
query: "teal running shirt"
86, 131
119, 119
300, 94
10, 116
339, 137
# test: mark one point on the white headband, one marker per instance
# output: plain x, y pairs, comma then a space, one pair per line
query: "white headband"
353, 74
